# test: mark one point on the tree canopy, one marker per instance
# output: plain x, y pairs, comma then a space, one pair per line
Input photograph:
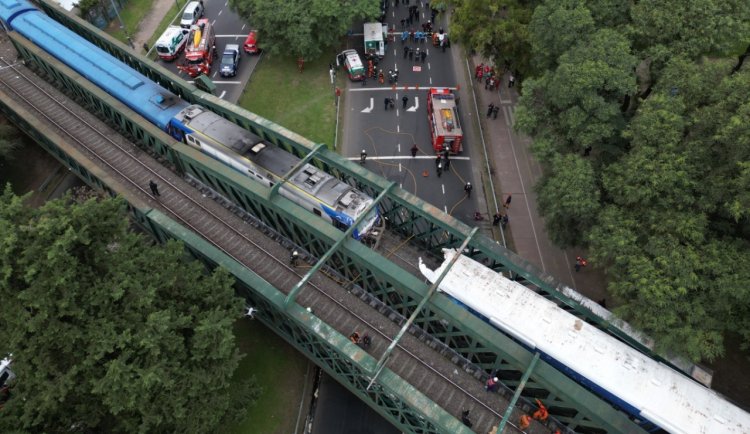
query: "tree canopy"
640, 117
303, 28
109, 333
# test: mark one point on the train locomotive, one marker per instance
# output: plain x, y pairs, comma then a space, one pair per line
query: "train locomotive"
315, 190
654, 395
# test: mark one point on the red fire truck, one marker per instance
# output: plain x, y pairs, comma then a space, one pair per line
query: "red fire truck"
442, 113
200, 51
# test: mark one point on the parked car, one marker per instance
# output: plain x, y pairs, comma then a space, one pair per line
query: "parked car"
193, 11
172, 42
251, 43
230, 60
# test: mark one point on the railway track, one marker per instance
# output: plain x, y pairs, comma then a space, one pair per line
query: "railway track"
419, 359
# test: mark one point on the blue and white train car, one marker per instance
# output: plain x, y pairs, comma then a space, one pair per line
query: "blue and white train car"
649, 391
153, 102
317, 191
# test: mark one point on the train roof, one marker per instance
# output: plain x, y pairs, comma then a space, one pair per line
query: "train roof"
662, 395
148, 99
267, 156
10, 9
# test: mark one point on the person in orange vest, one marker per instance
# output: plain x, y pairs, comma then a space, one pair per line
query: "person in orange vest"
542, 413
525, 421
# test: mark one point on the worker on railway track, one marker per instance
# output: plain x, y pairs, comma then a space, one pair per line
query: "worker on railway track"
294, 258
542, 413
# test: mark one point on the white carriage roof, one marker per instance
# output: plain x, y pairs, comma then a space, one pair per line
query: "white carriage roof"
664, 396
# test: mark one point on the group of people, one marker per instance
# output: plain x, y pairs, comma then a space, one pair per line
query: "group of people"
365, 341
492, 77
417, 54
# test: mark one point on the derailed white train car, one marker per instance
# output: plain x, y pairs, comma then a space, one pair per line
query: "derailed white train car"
660, 398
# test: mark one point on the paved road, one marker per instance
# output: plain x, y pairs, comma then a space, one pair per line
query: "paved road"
229, 29
387, 135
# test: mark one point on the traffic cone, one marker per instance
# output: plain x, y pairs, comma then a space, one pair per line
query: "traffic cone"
425, 173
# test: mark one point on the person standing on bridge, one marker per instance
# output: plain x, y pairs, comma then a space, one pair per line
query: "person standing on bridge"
154, 188
294, 259
467, 189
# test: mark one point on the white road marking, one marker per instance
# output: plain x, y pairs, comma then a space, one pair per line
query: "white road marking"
445, 209
399, 147
399, 167
398, 128
213, 23
408, 157
222, 94
415, 106
231, 36
443, 185
369, 109
430, 81
389, 89
220, 12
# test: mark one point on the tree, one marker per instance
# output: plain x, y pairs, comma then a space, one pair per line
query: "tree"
569, 199
578, 104
497, 29
556, 26
109, 333
303, 28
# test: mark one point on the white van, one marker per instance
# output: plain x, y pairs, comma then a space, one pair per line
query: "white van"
193, 11
172, 42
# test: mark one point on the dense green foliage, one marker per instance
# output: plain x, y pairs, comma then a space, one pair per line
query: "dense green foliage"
303, 28
651, 90
109, 333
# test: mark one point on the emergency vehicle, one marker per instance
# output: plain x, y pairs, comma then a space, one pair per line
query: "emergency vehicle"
353, 65
201, 49
376, 35
442, 114
172, 42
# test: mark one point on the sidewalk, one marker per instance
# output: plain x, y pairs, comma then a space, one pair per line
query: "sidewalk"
516, 172
150, 22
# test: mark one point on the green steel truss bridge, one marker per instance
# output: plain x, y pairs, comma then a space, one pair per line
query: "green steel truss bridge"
429, 358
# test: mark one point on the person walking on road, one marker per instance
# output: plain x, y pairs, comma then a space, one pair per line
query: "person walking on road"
494, 111
497, 218
362, 157
468, 188
490, 109
511, 81
507, 201
154, 188
580, 262
439, 169
405, 100
387, 102
414, 150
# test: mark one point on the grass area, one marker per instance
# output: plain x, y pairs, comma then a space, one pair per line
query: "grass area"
134, 12
301, 102
279, 369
